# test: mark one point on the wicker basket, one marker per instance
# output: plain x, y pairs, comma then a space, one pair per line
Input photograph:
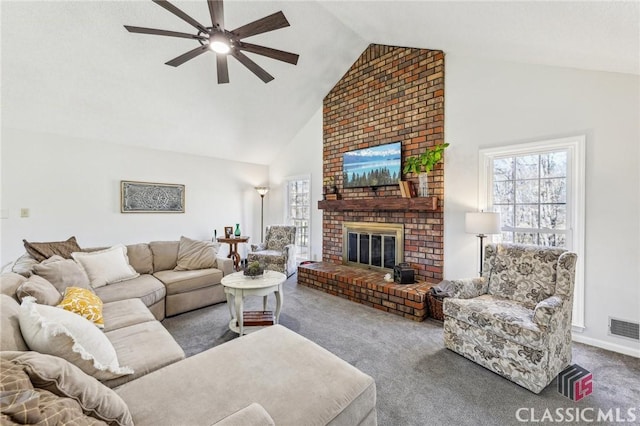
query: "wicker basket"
435, 307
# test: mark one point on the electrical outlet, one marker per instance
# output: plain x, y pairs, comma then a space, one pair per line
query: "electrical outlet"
24, 212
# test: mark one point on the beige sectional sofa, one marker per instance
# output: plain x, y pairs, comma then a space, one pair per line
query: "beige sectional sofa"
272, 376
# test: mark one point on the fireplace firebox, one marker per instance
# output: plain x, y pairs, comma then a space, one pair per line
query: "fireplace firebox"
372, 245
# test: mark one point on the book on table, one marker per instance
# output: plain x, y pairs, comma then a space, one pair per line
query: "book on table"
257, 318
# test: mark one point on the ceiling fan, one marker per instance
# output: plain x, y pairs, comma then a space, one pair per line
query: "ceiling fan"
223, 42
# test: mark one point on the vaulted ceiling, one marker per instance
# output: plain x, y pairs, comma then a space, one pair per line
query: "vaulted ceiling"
70, 68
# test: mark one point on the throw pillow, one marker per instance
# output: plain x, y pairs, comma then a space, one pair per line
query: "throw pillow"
42, 251
194, 254
66, 380
62, 273
42, 290
24, 265
106, 266
84, 303
58, 332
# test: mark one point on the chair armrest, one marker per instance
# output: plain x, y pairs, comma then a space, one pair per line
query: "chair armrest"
545, 309
258, 247
469, 288
290, 250
225, 265
253, 414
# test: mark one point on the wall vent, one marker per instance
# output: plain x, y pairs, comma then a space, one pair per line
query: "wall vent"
628, 329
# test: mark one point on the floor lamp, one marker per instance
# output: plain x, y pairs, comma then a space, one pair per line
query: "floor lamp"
482, 224
262, 190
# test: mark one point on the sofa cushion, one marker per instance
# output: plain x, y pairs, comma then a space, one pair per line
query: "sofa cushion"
144, 347
140, 258
301, 383
54, 331
165, 254
85, 303
145, 287
24, 265
506, 318
252, 414
123, 313
106, 266
526, 274
66, 380
62, 273
184, 281
195, 254
42, 251
10, 335
39, 288
9, 283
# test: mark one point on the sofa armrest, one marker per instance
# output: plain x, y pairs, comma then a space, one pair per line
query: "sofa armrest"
253, 414
469, 288
225, 265
545, 309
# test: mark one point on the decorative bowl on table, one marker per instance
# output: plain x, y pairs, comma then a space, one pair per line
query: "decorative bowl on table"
254, 270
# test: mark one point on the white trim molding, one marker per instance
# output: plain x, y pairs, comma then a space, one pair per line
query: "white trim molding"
625, 350
575, 147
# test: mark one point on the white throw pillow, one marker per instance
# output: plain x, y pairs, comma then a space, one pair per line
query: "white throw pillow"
106, 266
54, 331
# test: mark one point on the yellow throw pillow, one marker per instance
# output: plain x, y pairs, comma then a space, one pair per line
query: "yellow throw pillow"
83, 302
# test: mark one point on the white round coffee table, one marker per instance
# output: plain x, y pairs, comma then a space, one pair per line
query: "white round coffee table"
237, 286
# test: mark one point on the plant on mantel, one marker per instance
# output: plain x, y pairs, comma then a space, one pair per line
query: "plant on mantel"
423, 164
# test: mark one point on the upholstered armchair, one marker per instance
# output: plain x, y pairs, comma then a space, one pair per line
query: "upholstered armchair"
278, 251
515, 320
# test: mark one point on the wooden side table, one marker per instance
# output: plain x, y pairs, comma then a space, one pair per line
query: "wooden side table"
233, 249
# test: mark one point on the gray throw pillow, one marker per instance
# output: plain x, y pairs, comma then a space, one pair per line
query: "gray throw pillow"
62, 273
43, 291
195, 254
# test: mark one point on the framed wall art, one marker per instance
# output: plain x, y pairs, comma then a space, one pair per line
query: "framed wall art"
147, 197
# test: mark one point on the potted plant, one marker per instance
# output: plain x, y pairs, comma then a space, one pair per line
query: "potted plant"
423, 164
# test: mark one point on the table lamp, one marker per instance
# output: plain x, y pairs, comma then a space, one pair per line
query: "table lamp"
482, 223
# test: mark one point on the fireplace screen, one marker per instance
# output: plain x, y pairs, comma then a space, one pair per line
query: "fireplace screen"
372, 245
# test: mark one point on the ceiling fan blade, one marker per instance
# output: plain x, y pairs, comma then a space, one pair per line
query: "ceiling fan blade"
253, 67
222, 68
216, 10
280, 55
268, 23
187, 56
153, 31
180, 14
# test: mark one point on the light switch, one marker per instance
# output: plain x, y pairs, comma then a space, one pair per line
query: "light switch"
24, 212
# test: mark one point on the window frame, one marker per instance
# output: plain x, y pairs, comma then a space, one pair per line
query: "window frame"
287, 218
575, 147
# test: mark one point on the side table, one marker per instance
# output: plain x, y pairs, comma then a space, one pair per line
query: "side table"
233, 249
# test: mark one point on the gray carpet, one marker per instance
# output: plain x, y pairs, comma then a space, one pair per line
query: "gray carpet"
419, 382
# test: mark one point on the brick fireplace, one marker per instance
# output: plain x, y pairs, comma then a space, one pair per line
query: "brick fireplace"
389, 94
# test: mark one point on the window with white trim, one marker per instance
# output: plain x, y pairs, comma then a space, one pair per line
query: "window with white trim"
298, 213
538, 188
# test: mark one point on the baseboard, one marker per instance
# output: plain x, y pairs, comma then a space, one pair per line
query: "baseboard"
625, 350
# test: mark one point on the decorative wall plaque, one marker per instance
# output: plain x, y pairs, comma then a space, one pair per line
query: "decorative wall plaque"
147, 197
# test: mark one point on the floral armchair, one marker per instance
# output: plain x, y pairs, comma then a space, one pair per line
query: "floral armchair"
277, 252
515, 320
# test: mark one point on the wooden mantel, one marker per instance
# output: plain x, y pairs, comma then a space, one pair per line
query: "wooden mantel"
388, 204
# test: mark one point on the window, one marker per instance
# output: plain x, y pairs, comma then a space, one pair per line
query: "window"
298, 211
538, 188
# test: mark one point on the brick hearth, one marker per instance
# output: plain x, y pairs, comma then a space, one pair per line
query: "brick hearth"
368, 288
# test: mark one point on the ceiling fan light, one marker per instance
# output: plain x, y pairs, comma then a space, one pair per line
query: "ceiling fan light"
219, 44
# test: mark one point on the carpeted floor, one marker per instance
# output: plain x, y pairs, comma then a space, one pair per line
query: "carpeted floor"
418, 381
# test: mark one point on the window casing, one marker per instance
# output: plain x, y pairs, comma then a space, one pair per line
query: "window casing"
539, 190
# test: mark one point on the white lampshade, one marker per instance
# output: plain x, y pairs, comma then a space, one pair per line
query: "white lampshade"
262, 190
482, 223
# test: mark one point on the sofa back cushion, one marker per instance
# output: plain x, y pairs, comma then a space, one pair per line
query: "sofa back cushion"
524, 273
165, 254
10, 334
141, 258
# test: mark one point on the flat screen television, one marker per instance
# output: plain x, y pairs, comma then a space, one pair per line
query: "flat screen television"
373, 166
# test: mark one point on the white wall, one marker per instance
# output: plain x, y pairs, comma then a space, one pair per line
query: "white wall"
491, 103
301, 157
72, 187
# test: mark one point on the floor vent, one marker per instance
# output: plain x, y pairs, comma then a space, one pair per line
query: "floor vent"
618, 327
